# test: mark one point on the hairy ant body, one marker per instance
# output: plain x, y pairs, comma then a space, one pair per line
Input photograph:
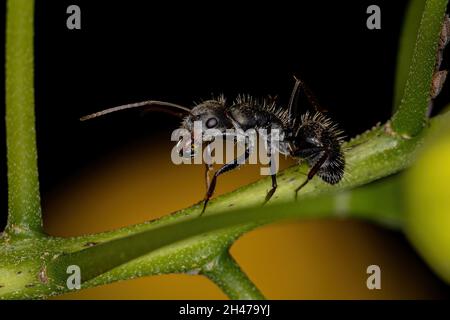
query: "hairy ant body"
312, 136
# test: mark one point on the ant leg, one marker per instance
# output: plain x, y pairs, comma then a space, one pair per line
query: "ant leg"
272, 191
272, 171
293, 102
208, 165
208, 169
225, 168
312, 172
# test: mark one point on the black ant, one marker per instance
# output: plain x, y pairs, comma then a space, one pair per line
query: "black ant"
312, 137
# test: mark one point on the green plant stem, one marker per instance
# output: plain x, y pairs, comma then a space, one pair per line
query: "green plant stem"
358, 203
24, 209
181, 244
373, 155
184, 243
228, 276
411, 116
408, 39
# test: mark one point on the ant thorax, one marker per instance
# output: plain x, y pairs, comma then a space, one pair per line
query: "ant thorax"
244, 116
243, 113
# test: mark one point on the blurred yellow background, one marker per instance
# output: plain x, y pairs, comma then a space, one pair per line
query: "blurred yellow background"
293, 260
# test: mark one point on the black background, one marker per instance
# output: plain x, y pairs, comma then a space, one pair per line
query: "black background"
129, 51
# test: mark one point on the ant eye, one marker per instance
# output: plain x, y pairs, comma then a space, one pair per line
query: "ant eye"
211, 123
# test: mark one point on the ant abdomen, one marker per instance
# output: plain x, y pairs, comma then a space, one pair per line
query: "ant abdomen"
332, 170
318, 141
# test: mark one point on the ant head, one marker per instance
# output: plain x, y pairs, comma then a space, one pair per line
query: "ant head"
205, 121
210, 115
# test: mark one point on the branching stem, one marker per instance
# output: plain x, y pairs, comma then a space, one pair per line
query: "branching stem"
228, 276
24, 209
411, 116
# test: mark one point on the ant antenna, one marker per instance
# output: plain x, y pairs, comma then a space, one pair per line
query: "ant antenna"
292, 106
293, 101
135, 105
